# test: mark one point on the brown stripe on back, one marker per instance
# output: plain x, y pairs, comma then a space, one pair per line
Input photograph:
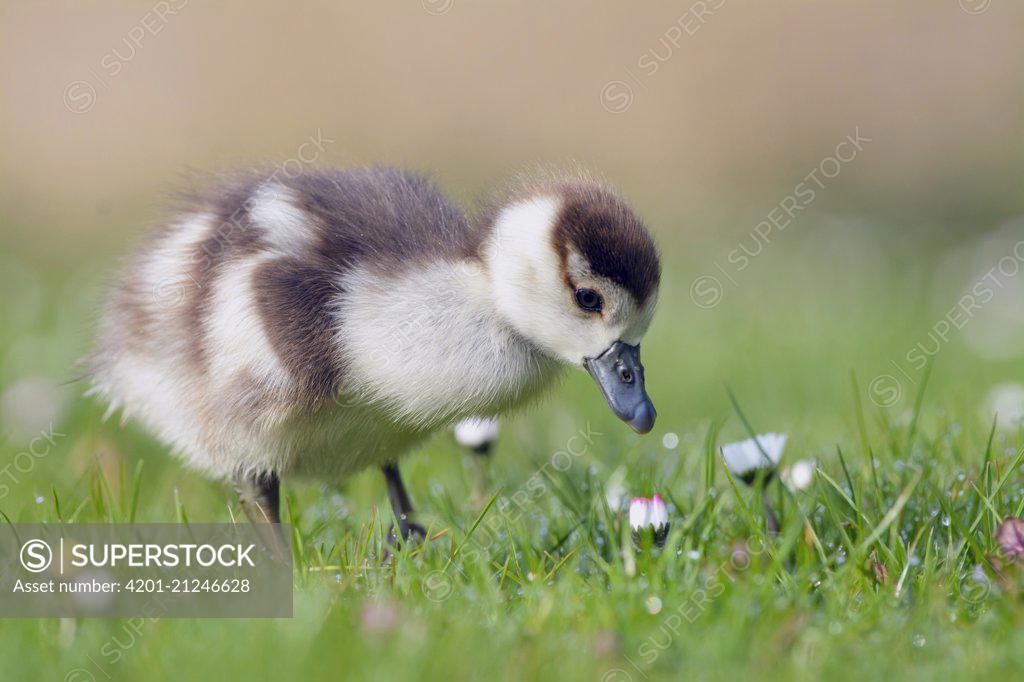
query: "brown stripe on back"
293, 298
391, 217
605, 231
231, 237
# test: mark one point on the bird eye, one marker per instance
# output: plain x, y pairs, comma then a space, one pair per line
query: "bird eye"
588, 299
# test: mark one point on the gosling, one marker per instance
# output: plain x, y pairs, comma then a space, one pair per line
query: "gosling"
318, 324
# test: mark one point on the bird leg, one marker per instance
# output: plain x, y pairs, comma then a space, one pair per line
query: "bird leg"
260, 496
402, 508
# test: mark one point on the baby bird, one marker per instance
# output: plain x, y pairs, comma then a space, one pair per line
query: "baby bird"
317, 324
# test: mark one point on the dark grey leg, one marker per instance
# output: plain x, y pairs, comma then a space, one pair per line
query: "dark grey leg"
402, 508
260, 495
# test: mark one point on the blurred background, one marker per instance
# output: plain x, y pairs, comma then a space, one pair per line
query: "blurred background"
828, 181
836, 188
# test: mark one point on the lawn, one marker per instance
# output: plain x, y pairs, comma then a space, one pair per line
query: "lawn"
886, 566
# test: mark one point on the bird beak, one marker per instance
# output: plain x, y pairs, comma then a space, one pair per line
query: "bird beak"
620, 375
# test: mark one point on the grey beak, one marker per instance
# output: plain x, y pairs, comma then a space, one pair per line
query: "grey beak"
621, 377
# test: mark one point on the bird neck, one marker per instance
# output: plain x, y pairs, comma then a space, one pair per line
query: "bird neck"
440, 348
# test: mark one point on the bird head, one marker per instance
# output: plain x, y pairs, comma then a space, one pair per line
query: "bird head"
573, 269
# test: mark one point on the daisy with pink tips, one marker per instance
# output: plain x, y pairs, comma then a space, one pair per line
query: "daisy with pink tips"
649, 516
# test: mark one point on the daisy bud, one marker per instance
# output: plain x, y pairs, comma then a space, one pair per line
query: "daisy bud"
1010, 537
745, 458
649, 516
639, 508
658, 514
881, 572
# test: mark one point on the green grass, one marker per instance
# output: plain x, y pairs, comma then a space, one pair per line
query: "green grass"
886, 566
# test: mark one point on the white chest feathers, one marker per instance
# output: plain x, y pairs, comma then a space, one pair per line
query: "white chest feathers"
427, 346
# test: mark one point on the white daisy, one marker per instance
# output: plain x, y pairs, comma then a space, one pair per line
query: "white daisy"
476, 433
745, 457
30, 406
1007, 402
799, 476
615, 489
